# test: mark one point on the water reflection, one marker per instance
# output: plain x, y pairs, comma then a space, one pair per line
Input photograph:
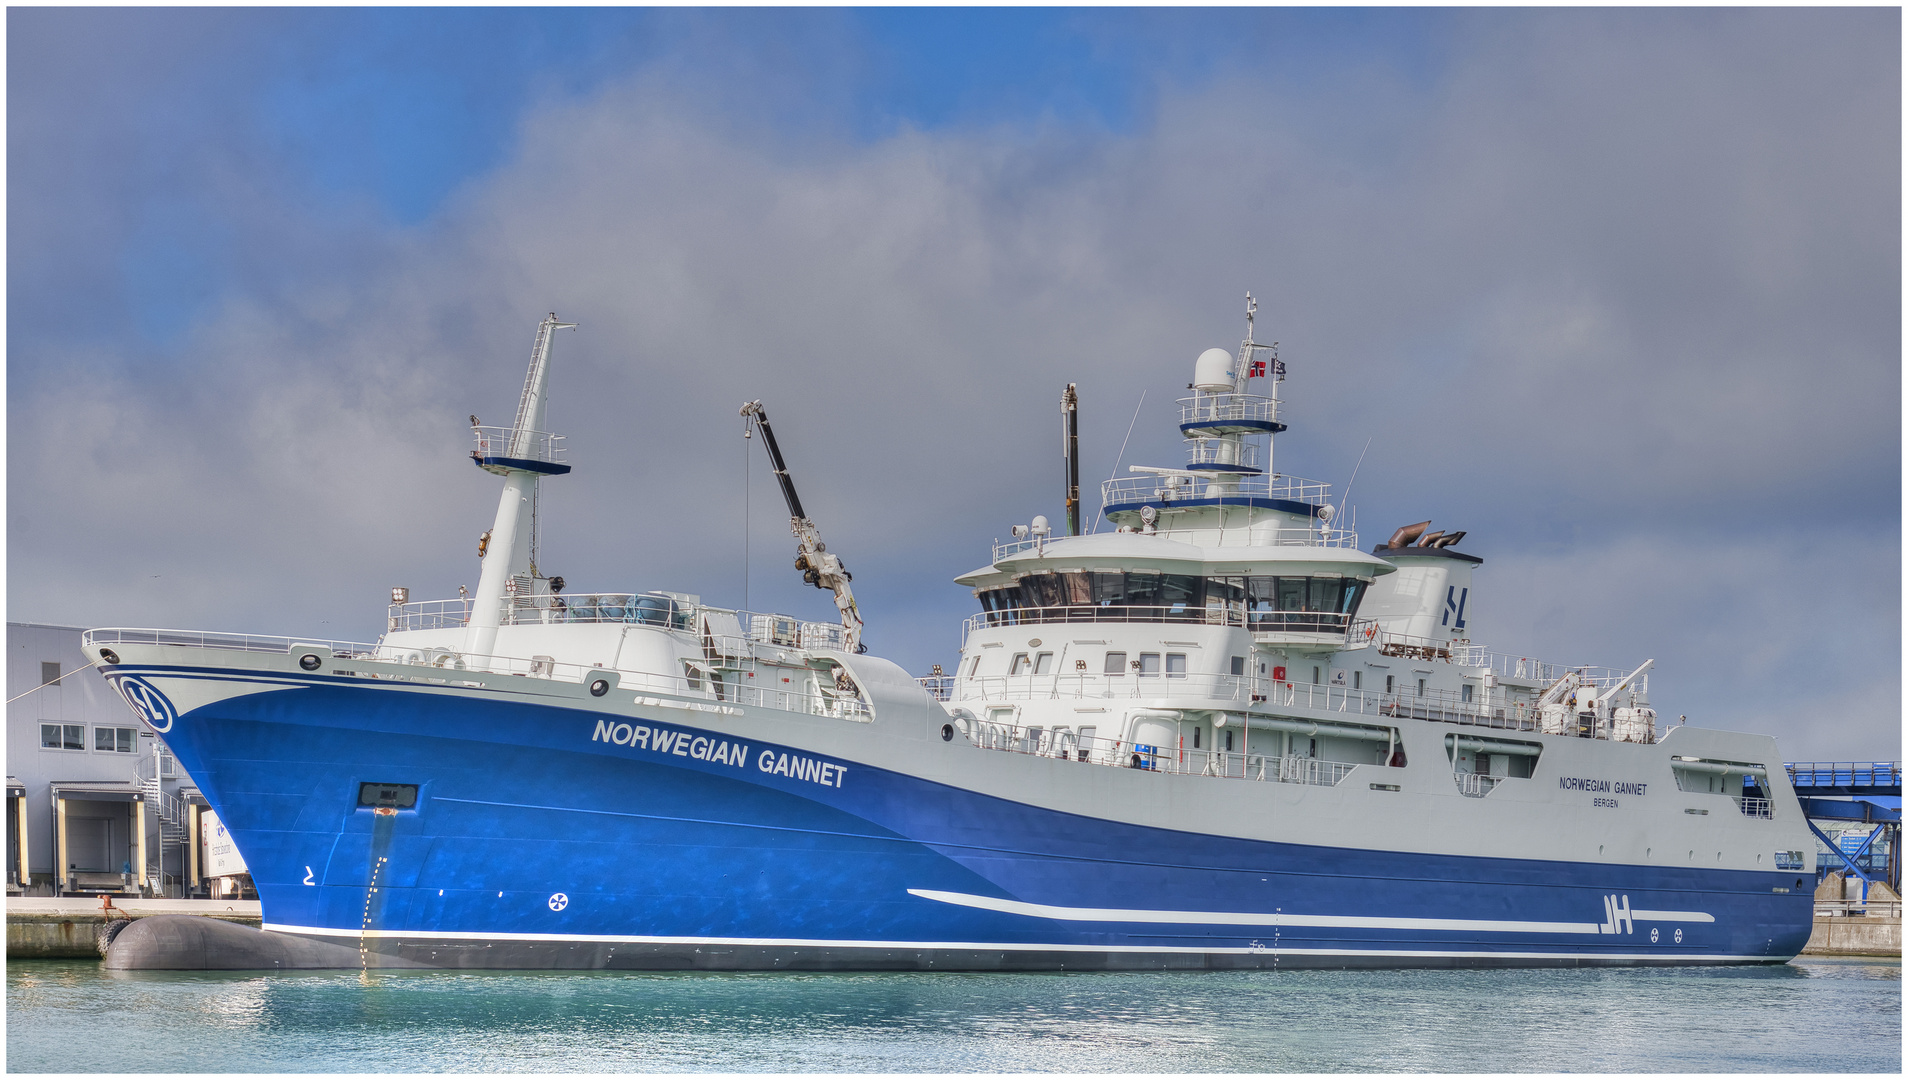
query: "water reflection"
1683, 1019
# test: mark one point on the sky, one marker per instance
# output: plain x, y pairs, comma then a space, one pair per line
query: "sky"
1616, 291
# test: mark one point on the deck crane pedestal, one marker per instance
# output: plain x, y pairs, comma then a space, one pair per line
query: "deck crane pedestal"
819, 568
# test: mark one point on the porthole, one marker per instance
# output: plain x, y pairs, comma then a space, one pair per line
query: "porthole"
599, 687
309, 661
947, 732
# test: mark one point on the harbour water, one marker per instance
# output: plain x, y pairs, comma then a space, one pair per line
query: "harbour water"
1813, 1015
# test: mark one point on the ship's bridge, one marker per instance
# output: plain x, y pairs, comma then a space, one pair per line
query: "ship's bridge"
1288, 591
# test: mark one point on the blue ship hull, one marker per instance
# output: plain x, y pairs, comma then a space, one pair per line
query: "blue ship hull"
539, 838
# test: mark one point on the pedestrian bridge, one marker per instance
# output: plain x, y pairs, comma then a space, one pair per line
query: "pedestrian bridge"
1844, 791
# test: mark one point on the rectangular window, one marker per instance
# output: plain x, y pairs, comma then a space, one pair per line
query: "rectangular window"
49, 736
400, 796
1315, 677
1043, 663
1020, 665
1175, 665
974, 668
1228, 742
1142, 589
49, 672
1115, 663
1420, 687
1149, 664
1466, 695
1238, 665
63, 736
1483, 764
116, 740
1291, 594
1358, 680
1390, 685
1195, 738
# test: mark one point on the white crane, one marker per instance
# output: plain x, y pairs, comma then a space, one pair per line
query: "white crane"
819, 568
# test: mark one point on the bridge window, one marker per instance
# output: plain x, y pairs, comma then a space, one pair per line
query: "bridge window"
1304, 604
1043, 663
1020, 665
1115, 663
1175, 665
1149, 664
1238, 665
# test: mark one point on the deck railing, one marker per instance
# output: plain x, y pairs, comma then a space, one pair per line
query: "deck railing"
702, 689
1221, 613
1115, 753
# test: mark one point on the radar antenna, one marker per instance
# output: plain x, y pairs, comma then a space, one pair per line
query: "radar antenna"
818, 567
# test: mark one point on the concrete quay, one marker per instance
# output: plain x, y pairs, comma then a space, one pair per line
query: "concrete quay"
42, 928
1857, 934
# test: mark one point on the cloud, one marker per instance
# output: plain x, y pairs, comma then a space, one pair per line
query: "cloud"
1617, 294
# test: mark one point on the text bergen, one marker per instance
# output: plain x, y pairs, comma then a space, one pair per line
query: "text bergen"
663, 740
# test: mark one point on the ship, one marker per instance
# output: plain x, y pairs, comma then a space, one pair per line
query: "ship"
1207, 730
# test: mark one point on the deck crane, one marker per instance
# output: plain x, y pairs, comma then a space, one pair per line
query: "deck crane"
818, 567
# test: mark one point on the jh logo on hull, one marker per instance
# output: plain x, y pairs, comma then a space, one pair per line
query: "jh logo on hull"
1616, 917
146, 700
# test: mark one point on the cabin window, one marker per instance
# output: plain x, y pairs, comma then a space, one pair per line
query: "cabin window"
973, 668
1195, 738
1115, 663
1315, 678
1238, 665
1178, 592
1020, 665
1149, 665
1358, 680
1228, 742
1420, 687
1466, 695
1390, 686
1175, 665
694, 677
1043, 663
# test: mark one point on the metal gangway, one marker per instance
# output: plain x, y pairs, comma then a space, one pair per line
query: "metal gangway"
1844, 791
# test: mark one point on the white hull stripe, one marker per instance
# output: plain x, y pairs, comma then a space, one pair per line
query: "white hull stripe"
423, 936
1259, 918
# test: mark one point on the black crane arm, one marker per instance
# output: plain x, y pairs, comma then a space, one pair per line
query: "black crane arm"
754, 411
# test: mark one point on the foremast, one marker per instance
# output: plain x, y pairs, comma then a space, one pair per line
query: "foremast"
522, 454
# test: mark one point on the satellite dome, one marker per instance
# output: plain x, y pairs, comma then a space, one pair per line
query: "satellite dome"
1212, 372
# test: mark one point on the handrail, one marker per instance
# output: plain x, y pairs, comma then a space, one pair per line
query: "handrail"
1069, 745
1165, 490
446, 666
496, 441
1232, 613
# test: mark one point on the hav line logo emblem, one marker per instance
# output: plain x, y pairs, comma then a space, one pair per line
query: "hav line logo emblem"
146, 700
1616, 918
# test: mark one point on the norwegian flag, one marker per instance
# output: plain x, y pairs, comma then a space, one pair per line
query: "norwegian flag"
1257, 370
